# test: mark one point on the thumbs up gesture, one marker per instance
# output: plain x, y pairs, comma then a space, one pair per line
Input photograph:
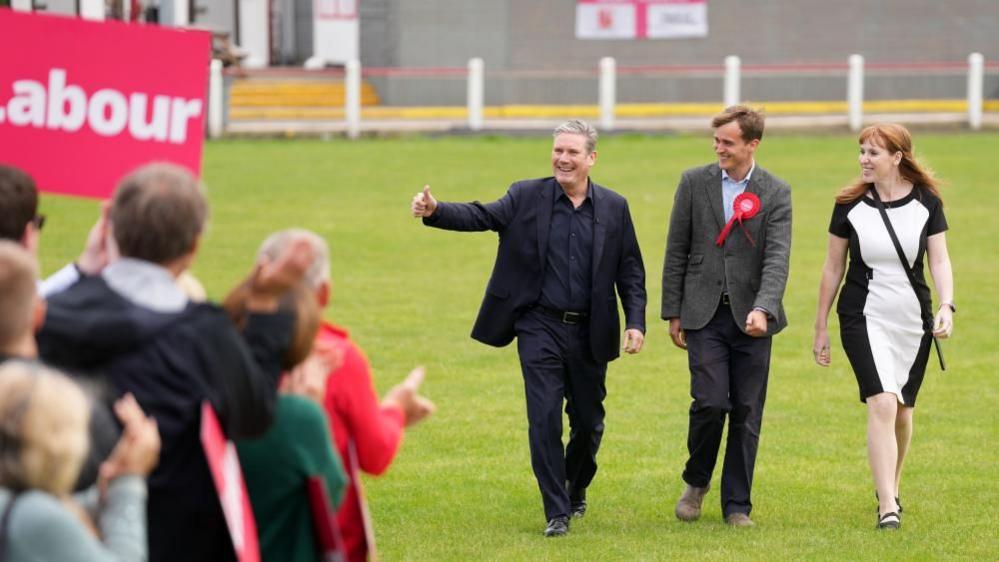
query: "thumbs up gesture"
424, 204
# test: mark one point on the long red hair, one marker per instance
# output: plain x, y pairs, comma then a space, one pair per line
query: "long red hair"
893, 138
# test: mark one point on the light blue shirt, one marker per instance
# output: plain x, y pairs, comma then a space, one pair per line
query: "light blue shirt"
731, 189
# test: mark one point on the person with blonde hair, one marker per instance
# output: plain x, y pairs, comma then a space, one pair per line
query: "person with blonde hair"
43, 441
892, 212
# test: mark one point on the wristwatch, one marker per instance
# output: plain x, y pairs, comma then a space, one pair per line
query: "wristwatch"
949, 305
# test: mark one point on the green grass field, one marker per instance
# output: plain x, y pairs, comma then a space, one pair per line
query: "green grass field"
462, 487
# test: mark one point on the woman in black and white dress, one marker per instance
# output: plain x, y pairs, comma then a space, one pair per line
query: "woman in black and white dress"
881, 315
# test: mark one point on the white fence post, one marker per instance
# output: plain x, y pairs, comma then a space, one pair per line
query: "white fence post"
216, 101
976, 81
855, 92
732, 80
475, 93
608, 92
352, 99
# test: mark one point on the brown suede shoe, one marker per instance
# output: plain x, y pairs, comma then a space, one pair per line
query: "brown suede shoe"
739, 520
689, 506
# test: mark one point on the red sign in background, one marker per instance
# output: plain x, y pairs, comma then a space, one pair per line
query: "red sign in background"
83, 103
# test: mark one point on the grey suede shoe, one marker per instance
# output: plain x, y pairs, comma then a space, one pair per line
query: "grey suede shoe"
739, 520
688, 508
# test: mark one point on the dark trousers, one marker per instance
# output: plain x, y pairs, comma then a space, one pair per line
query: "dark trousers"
558, 366
728, 377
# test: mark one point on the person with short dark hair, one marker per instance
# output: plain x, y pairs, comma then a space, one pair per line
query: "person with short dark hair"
724, 274
567, 251
133, 328
19, 221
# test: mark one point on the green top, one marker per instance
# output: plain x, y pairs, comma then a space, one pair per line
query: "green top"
276, 466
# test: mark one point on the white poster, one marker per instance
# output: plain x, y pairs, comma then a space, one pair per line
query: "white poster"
336, 32
641, 19
605, 20
667, 20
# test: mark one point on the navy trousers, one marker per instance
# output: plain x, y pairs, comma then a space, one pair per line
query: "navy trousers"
728, 378
558, 367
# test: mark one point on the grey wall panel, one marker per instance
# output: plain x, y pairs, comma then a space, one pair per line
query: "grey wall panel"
539, 35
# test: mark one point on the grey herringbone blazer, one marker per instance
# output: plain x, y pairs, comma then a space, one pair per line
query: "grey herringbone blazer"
696, 271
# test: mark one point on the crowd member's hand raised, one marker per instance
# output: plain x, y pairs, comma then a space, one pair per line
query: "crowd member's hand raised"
309, 377
138, 449
271, 278
406, 396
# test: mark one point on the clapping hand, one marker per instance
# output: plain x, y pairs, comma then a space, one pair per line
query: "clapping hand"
406, 396
309, 378
138, 449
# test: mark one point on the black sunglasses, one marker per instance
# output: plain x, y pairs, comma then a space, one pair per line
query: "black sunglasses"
39, 221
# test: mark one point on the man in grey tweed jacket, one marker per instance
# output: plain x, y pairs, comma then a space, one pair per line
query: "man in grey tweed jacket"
722, 298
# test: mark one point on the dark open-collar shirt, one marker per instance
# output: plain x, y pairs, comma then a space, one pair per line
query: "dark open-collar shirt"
568, 265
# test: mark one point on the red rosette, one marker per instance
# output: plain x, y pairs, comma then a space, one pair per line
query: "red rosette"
745, 206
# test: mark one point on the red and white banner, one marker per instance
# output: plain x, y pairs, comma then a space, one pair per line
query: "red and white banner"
223, 461
82, 103
641, 19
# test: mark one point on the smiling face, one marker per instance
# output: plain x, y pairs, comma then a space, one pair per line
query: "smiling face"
877, 165
571, 161
735, 155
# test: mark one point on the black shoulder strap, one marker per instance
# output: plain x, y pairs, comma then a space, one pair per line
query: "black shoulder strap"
926, 314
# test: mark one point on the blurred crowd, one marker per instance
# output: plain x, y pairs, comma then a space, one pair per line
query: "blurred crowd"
108, 367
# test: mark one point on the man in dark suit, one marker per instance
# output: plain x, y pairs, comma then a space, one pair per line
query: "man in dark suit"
722, 291
565, 243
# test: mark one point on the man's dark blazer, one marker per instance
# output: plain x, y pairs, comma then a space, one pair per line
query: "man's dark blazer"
522, 218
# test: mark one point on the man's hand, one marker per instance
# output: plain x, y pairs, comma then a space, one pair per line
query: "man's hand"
756, 323
633, 340
424, 204
676, 333
95, 253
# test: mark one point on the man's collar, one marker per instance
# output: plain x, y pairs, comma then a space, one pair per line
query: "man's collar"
146, 284
749, 174
560, 191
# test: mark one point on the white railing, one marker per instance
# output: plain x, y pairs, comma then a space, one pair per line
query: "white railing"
614, 82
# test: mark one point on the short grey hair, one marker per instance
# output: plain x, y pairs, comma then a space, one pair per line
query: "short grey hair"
579, 127
277, 243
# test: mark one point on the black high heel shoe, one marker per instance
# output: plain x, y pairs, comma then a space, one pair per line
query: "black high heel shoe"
889, 521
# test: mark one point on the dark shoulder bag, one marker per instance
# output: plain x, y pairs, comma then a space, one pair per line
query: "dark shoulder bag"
924, 310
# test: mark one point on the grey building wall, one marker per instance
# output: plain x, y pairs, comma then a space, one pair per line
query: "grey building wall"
539, 35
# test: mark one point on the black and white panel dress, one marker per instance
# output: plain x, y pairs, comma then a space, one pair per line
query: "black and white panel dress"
880, 317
